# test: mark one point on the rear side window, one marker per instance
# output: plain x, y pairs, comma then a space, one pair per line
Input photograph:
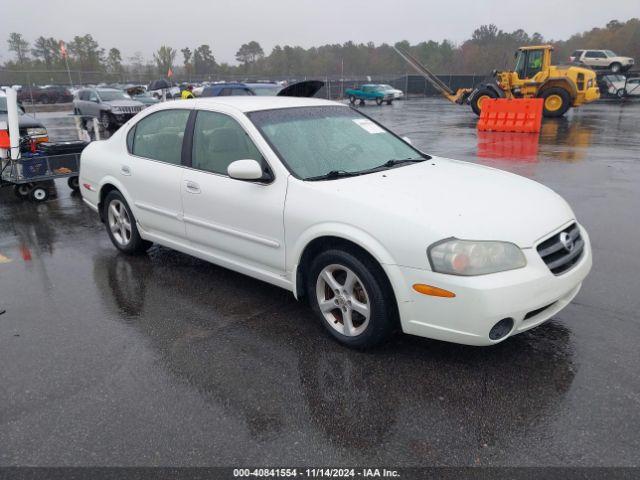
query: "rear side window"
219, 140
159, 136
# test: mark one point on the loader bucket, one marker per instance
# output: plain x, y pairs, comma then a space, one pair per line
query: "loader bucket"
520, 115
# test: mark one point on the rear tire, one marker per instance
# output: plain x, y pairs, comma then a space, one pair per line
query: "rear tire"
556, 102
379, 101
479, 97
352, 99
74, 183
22, 190
121, 225
351, 295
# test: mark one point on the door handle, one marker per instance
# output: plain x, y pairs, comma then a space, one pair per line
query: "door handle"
192, 187
125, 170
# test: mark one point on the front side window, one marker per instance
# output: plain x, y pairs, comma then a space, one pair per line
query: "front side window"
159, 136
314, 141
93, 97
609, 53
218, 140
534, 62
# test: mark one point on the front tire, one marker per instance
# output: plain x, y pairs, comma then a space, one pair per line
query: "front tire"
556, 102
105, 120
39, 193
621, 93
615, 67
352, 297
121, 225
480, 96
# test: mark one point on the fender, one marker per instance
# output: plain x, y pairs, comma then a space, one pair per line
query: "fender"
489, 85
553, 81
352, 234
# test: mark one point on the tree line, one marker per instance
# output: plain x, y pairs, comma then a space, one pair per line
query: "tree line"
488, 48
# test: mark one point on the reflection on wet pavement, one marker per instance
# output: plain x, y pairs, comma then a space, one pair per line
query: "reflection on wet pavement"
167, 360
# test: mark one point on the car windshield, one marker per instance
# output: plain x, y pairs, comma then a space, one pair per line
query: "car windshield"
108, 95
609, 53
266, 89
319, 141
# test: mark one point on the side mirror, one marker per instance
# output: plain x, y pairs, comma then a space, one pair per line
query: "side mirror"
408, 140
245, 170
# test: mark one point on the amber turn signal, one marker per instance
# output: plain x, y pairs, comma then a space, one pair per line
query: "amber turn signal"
433, 291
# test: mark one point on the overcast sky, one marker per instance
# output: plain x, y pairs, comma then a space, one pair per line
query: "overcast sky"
136, 25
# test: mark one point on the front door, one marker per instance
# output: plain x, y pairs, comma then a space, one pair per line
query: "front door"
237, 222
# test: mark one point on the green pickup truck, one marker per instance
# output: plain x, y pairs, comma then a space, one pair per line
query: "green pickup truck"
369, 92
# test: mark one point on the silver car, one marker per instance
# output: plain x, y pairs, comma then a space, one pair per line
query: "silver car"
111, 106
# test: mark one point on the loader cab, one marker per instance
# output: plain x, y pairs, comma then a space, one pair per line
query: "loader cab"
531, 60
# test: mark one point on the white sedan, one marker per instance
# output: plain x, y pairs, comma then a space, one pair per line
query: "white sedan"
314, 197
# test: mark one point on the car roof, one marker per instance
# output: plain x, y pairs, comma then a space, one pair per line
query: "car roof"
255, 103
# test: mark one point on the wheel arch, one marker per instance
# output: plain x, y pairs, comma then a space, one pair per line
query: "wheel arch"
560, 83
108, 185
312, 244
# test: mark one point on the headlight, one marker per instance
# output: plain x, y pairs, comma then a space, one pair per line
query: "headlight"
466, 257
32, 132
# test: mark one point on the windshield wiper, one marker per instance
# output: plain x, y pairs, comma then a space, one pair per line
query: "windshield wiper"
392, 163
334, 174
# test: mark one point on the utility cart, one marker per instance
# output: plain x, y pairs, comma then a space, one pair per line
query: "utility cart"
31, 175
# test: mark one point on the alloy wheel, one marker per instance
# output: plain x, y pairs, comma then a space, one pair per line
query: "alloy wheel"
343, 300
119, 222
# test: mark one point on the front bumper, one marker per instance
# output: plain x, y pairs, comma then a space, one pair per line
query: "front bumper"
482, 301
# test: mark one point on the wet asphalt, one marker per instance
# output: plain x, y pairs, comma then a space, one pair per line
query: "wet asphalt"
167, 360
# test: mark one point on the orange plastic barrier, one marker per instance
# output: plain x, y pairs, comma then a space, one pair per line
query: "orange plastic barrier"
520, 115
4, 139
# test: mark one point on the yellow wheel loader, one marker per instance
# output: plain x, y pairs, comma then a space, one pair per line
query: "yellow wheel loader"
561, 87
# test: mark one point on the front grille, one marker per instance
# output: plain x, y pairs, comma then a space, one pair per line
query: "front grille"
561, 255
130, 109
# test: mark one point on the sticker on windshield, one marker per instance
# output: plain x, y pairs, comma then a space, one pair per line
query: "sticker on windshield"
368, 125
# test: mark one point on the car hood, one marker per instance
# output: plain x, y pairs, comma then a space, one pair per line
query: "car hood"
25, 121
442, 198
124, 103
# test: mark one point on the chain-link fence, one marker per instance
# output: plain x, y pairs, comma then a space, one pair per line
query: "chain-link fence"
335, 86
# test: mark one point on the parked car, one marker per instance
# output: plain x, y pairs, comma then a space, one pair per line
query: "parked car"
602, 59
139, 93
112, 107
305, 88
312, 196
620, 85
28, 125
369, 92
397, 94
47, 94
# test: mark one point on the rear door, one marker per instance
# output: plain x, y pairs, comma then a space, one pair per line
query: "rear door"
234, 221
595, 58
152, 172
